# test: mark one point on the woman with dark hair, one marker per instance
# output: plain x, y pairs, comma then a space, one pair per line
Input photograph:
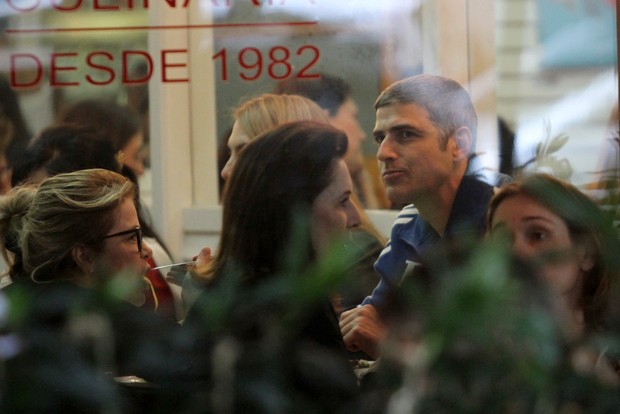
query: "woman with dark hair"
569, 239
64, 148
293, 172
334, 95
287, 200
256, 116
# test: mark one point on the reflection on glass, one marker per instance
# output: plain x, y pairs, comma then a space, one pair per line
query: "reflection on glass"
553, 72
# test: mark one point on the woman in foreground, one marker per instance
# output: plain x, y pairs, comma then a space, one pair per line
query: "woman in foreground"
566, 236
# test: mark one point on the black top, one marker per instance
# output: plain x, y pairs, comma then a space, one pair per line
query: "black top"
287, 352
73, 342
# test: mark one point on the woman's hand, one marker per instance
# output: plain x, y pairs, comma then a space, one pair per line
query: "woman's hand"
202, 264
198, 269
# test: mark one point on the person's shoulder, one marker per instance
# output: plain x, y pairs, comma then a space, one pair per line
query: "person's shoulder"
475, 191
470, 206
473, 182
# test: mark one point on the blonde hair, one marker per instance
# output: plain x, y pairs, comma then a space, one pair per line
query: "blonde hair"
267, 111
67, 210
13, 207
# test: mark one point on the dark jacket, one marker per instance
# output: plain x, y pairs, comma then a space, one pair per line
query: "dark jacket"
412, 236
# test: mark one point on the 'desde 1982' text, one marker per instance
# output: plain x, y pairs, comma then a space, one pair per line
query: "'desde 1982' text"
101, 68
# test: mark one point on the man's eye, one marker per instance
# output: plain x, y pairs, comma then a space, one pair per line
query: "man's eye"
405, 134
379, 138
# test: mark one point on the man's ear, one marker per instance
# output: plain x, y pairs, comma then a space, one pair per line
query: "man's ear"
463, 140
84, 257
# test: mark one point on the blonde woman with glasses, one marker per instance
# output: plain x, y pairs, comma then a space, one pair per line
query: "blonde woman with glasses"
79, 269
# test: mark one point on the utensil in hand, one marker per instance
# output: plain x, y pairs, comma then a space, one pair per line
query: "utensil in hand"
182, 264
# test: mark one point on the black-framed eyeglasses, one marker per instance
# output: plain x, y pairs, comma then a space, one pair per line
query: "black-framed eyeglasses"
136, 230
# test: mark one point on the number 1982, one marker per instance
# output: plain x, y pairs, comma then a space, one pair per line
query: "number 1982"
276, 62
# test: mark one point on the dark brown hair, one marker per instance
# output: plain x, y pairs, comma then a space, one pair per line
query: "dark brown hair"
329, 92
116, 123
272, 187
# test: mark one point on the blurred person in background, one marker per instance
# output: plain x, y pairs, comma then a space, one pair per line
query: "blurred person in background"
120, 125
14, 134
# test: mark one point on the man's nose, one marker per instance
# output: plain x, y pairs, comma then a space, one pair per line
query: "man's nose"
386, 150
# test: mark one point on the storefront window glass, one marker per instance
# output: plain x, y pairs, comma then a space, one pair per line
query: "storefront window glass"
543, 74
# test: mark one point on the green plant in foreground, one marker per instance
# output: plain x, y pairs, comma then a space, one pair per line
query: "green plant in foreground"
479, 335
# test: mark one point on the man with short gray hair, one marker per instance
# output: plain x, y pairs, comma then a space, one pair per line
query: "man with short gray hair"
425, 128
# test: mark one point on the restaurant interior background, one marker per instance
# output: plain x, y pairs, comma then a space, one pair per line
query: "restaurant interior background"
547, 68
